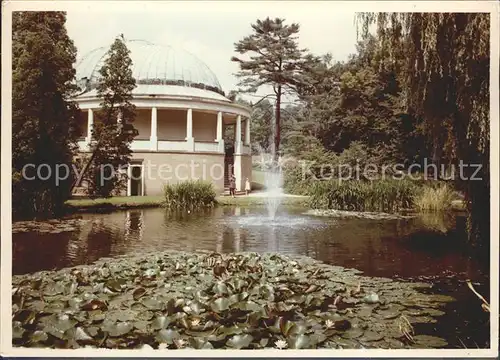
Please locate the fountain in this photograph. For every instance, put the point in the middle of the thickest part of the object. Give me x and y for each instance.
(273, 179)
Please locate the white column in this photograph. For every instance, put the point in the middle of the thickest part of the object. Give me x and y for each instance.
(247, 131)
(238, 172)
(154, 130)
(129, 181)
(142, 180)
(189, 130)
(220, 138)
(219, 126)
(90, 125)
(238, 135)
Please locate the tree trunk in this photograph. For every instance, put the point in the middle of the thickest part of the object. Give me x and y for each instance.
(277, 128)
(84, 171)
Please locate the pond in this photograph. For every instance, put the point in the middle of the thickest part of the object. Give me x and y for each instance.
(424, 248)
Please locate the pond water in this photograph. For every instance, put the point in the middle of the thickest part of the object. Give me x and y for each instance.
(426, 248)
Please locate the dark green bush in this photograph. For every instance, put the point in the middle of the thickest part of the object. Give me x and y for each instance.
(190, 195)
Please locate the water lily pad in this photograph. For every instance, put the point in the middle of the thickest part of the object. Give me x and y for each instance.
(353, 333)
(116, 285)
(52, 289)
(25, 317)
(220, 288)
(246, 306)
(145, 315)
(92, 330)
(300, 341)
(96, 316)
(167, 336)
(196, 307)
(372, 336)
(81, 335)
(197, 343)
(118, 329)
(220, 305)
(94, 305)
(240, 341)
(141, 325)
(428, 341)
(138, 293)
(152, 303)
(17, 330)
(160, 322)
(39, 336)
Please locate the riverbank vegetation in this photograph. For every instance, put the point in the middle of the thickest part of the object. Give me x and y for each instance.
(438, 198)
(397, 100)
(379, 196)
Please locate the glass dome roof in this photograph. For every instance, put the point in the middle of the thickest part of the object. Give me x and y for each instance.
(152, 64)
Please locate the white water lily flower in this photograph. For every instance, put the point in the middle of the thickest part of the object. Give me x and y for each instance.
(281, 344)
(195, 322)
(329, 323)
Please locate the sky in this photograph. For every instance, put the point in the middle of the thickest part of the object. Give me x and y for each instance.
(209, 30)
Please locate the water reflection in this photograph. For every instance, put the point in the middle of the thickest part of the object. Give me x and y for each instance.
(409, 247)
(426, 246)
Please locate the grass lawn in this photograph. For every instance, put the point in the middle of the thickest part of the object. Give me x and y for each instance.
(125, 202)
(258, 200)
(118, 201)
(258, 182)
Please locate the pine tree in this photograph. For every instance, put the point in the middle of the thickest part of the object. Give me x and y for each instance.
(44, 127)
(275, 59)
(113, 130)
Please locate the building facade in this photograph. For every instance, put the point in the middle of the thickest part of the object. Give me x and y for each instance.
(181, 117)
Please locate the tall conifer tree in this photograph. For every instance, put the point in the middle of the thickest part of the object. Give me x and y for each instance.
(113, 130)
(275, 60)
(44, 130)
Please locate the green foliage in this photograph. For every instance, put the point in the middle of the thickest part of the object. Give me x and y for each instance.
(262, 118)
(44, 127)
(319, 164)
(189, 195)
(435, 198)
(445, 74)
(352, 195)
(113, 130)
(275, 60)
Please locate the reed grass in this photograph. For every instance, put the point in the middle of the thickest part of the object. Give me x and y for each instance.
(379, 196)
(438, 198)
(189, 195)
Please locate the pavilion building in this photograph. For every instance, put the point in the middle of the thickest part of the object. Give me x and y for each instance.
(181, 117)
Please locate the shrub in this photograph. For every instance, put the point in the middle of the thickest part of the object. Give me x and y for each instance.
(190, 195)
(437, 198)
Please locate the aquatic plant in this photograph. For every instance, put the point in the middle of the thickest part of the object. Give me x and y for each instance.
(352, 195)
(438, 198)
(179, 300)
(189, 195)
